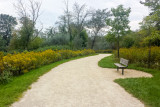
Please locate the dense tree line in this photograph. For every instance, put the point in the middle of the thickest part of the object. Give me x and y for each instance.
(79, 28)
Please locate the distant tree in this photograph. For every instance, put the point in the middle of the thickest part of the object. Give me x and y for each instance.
(69, 17)
(26, 32)
(72, 23)
(111, 38)
(148, 27)
(16, 43)
(97, 22)
(154, 6)
(80, 14)
(65, 21)
(119, 22)
(7, 23)
(29, 14)
(50, 32)
(127, 42)
(62, 24)
(2, 44)
(84, 37)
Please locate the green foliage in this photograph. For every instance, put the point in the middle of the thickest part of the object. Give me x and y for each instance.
(119, 23)
(100, 43)
(120, 20)
(56, 47)
(97, 23)
(35, 44)
(26, 32)
(154, 39)
(15, 42)
(6, 25)
(104, 51)
(5, 76)
(84, 37)
(111, 39)
(77, 42)
(26, 38)
(57, 39)
(2, 44)
(127, 41)
(154, 16)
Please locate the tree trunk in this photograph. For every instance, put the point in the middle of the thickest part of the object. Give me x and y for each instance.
(149, 55)
(93, 42)
(118, 45)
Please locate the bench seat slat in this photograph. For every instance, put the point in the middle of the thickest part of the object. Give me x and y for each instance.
(119, 65)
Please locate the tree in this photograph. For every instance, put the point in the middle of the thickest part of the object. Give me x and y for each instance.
(68, 19)
(97, 22)
(80, 15)
(29, 14)
(50, 32)
(148, 26)
(2, 44)
(154, 6)
(119, 23)
(6, 25)
(72, 22)
(26, 32)
(62, 24)
(84, 37)
(110, 38)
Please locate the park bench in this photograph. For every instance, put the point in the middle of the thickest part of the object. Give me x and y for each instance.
(122, 65)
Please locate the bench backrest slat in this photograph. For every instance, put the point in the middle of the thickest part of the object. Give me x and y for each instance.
(124, 61)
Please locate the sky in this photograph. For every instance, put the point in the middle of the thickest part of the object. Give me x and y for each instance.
(52, 9)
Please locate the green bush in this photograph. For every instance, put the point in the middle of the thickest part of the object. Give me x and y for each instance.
(5, 76)
(104, 51)
(56, 47)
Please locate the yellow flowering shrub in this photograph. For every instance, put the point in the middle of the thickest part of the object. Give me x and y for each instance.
(140, 55)
(23, 62)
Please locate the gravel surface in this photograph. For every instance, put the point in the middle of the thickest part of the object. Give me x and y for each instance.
(81, 83)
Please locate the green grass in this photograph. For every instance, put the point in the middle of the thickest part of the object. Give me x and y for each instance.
(146, 90)
(107, 62)
(13, 90)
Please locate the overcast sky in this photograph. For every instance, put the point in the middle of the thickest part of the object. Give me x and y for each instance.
(52, 9)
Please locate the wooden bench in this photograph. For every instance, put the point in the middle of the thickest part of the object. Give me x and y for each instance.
(122, 65)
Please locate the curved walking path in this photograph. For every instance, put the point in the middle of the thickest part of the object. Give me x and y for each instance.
(80, 83)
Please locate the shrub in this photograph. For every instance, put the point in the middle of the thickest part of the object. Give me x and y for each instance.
(56, 47)
(104, 51)
(19, 63)
(140, 55)
(5, 76)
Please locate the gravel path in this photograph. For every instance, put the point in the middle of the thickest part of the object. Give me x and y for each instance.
(81, 83)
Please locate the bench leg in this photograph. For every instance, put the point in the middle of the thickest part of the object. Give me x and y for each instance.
(117, 69)
(122, 71)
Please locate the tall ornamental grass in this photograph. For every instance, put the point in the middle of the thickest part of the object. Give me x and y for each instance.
(140, 56)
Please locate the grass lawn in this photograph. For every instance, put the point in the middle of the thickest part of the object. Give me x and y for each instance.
(13, 90)
(146, 90)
